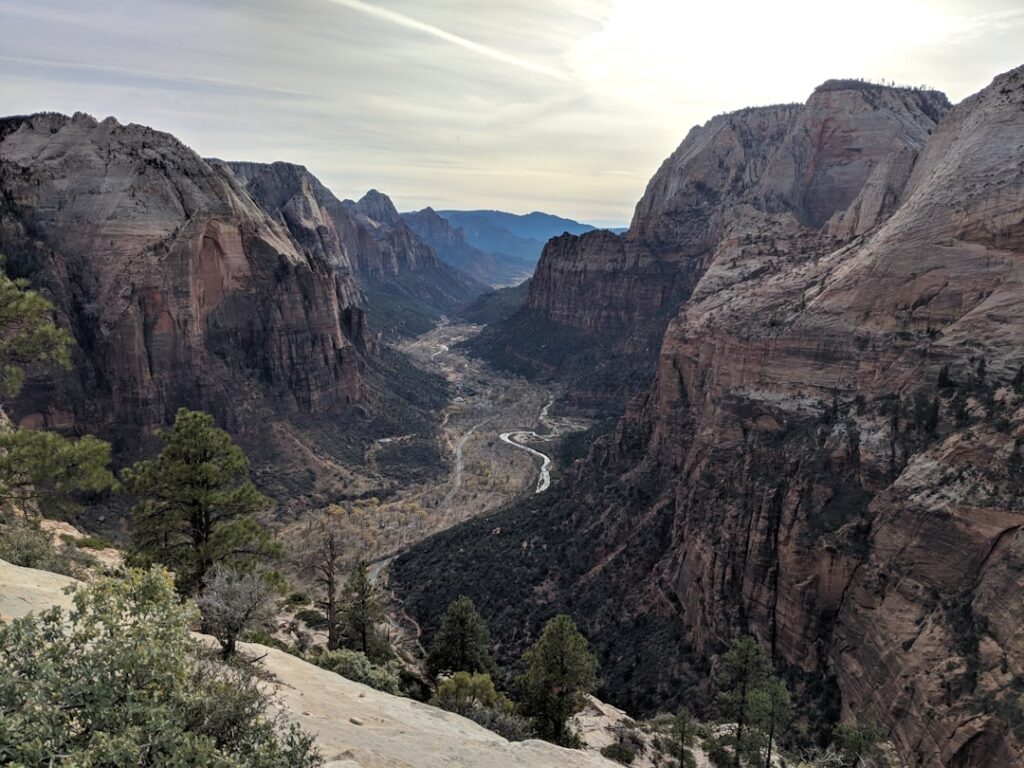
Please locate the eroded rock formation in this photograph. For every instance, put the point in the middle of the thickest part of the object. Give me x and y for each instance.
(780, 171)
(830, 454)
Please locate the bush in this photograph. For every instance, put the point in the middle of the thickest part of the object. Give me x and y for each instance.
(718, 754)
(463, 692)
(508, 725)
(262, 637)
(93, 542)
(312, 618)
(233, 603)
(619, 752)
(357, 667)
(118, 680)
(24, 543)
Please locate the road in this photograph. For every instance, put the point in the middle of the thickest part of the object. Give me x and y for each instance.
(457, 480)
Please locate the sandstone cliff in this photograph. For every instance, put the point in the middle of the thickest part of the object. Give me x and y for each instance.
(774, 172)
(181, 290)
(830, 454)
(406, 288)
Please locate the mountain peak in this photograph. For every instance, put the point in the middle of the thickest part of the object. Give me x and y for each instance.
(378, 206)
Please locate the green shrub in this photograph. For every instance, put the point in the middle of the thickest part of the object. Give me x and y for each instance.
(507, 724)
(718, 754)
(93, 542)
(462, 692)
(24, 543)
(356, 666)
(619, 752)
(312, 618)
(262, 637)
(118, 680)
(297, 598)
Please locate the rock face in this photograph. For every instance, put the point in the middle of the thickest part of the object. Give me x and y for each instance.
(830, 454)
(775, 172)
(178, 287)
(181, 289)
(398, 270)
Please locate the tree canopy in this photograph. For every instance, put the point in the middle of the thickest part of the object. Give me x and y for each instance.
(560, 671)
(463, 643)
(362, 612)
(196, 503)
(28, 334)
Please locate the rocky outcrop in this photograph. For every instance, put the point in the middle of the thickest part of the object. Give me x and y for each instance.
(178, 287)
(830, 454)
(405, 288)
(780, 171)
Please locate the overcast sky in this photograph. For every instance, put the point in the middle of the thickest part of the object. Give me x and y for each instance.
(566, 106)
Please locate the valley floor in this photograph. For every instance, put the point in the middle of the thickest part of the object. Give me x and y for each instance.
(497, 432)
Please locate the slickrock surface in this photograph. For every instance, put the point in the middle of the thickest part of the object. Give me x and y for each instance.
(354, 724)
(830, 454)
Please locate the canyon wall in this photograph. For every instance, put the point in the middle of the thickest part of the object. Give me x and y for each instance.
(180, 289)
(406, 288)
(770, 172)
(830, 454)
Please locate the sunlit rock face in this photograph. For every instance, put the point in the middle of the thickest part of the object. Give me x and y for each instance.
(782, 172)
(830, 454)
(178, 287)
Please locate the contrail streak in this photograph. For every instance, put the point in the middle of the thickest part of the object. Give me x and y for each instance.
(429, 29)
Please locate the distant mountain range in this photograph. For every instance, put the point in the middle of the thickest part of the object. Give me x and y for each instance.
(496, 247)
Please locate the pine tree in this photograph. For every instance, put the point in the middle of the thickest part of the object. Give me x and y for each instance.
(362, 611)
(741, 675)
(683, 737)
(560, 671)
(463, 643)
(197, 503)
(945, 381)
(44, 467)
(39, 468)
(773, 710)
(27, 333)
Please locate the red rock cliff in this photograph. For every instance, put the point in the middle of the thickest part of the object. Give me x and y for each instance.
(179, 288)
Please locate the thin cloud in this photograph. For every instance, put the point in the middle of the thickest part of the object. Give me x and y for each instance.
(75, 67)
(470, 45)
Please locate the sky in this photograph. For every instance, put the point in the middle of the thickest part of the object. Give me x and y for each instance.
(565, 106)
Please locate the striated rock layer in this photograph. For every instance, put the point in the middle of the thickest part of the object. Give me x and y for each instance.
(773, 172)
(830, 455)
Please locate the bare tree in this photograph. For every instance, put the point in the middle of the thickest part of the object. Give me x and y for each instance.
(234, 602)
(325, 558)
